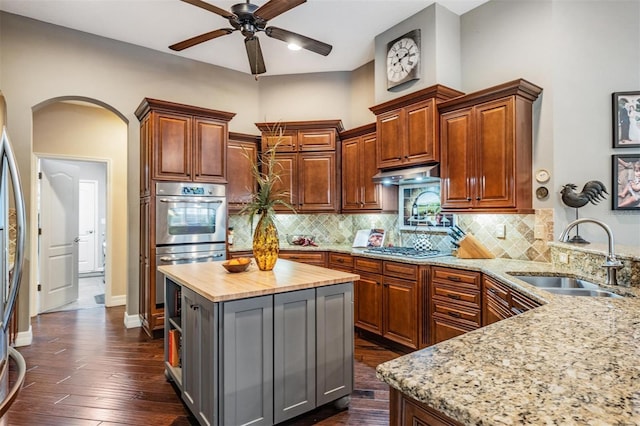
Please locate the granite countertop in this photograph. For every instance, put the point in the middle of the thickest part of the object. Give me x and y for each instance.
(212, 281)
(574, 360)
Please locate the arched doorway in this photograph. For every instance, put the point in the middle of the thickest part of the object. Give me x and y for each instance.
(86, 130)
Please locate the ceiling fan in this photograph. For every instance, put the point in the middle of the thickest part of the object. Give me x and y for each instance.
(250, 19)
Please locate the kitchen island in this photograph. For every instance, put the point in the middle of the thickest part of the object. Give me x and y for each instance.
(258, 347)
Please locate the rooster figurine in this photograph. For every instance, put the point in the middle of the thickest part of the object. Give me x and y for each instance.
(592, 192)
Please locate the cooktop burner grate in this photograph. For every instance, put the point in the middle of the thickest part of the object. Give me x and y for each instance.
(405, 252)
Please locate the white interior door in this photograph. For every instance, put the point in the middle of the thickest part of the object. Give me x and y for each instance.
(88, 226)
(59, 240)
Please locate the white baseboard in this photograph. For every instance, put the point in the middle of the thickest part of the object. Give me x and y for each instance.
(132, 321)
(116, 301)
(24, 338)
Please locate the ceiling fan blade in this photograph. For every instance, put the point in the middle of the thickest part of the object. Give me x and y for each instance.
(211, 8)
(200, 39)
(302, 41)
(254, 52)
(273, 8)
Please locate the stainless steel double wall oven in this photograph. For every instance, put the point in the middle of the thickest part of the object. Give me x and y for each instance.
(191, 220)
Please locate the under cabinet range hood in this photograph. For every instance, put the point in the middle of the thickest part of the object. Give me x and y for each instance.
(407, 176)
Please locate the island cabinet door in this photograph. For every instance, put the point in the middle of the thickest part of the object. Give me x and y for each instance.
(247, 362)
(334, 328)
(199, 356)
(294, 358)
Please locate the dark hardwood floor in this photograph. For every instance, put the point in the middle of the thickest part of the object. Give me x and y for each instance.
(85, 368)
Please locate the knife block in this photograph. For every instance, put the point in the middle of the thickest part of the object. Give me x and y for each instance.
(471, 248)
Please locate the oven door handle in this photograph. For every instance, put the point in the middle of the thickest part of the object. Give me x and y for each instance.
(174, 259)
(189, 200)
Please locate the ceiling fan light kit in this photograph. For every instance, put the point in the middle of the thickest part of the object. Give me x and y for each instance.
(251, 19)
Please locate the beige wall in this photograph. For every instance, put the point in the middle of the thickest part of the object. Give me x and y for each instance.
(84, 132)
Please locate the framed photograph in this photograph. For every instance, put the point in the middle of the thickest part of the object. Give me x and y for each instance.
(626, 182)
(626, 119)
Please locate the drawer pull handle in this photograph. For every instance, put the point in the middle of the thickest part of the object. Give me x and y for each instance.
(194, 307)
(454, 296)
(457, 279)
(517, 311)
(454, 314)
(492, 290)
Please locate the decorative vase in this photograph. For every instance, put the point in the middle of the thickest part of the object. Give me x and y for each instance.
(265, 243)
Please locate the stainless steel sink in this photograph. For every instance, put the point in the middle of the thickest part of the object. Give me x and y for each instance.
(581, 292)
(555, 282)
(566, 285)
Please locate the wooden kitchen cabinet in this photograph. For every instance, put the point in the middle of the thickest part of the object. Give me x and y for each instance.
(486, 149)
(340, 261)
(309, 164)
(407, 128)
(501, 301)
(387, 303)
(455, 302)
(187, 143)
(359, 165)
(406, 411)
(242, 153)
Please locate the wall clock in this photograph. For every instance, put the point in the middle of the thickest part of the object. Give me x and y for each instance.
(403, 59)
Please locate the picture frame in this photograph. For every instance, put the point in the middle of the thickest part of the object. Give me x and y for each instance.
(625, 172)
(626, 119)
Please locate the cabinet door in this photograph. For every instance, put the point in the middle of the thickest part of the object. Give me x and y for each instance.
(199, 356)
(209, 150)
(444, 328)
(317, 140)
(368, 303)
(400, 311)
(351, 199)
(247, 361)
(391, 131)
(495, 154)
(371, 193)
(240, 157)
(317, 182)
(287, 140)
(334, 327)
(287, 168)
(294, 340)
(144, 305)
(171, 147)
(457, 159)
(422, 145)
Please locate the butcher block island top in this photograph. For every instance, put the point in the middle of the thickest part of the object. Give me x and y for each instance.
(212, 281)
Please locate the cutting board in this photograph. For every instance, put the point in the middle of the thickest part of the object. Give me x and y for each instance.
(471, 248)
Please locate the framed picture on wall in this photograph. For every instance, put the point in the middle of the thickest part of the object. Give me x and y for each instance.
(626, 119)
(626, 182)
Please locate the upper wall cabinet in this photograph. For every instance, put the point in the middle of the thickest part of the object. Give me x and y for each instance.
(182, 142)
(359, 192)
(242, 152)
(308, 156)
(407, 128)
(486, 149)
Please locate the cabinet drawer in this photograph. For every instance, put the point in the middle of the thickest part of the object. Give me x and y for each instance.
(317, 140)
(368, 265)
(497, 292)
(457, 295)
(456, 276)
(400, 270)
(456, 312)
(521, 303)
(310, 258)
(340, 261)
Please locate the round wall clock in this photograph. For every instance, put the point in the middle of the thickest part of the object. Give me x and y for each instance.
(403, 59)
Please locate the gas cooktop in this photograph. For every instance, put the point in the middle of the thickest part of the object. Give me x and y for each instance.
(406, 252)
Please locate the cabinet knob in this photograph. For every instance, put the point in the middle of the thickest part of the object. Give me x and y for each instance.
(194, 307)
(468, 198)
(477, 198)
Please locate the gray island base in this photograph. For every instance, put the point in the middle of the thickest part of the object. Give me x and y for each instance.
(258, 347)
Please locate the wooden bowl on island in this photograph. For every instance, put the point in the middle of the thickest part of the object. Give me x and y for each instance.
(237, 265)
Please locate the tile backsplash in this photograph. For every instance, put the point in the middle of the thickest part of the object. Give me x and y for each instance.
(525, 236)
